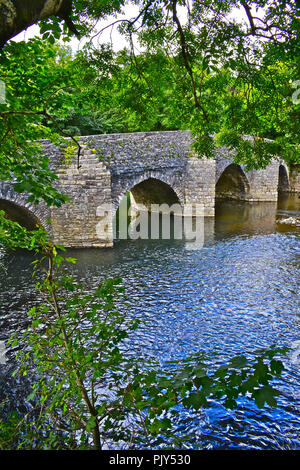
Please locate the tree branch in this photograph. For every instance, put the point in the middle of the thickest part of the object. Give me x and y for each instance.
(18, 15)
(250, 17)
(185, 56)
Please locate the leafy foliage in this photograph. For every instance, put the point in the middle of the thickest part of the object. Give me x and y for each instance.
(29, 71)
(218, 69)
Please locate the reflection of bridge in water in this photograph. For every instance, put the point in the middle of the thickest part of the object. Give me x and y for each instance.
(155, 168)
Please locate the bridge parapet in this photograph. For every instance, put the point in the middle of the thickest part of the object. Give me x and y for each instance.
(141, 150)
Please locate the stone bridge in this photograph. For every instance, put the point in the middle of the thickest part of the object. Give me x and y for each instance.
(155, 167)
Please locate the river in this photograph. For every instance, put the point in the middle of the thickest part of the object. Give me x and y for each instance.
(237, 291)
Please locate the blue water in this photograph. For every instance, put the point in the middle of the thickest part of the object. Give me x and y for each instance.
(237, 292)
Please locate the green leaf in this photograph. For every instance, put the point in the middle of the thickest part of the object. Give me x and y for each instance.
(276, 367)
(238, 362)
(264, 395)
(195, 400)
(31, 395)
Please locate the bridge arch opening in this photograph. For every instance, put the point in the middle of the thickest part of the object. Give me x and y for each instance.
(19, 214)
(151, 192)
(232, 184)
(140, 207)
(283, 179)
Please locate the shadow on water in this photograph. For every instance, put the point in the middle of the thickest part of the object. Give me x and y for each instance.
(235, 218)
(249, 218)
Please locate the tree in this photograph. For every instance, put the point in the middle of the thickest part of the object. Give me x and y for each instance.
(152, 93)
(212, 42)
(17, 15)
(29, 106)
(208, 41)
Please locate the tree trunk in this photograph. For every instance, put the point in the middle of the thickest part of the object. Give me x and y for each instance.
(17, 15)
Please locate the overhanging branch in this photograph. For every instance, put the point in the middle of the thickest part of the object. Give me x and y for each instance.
(18, 15)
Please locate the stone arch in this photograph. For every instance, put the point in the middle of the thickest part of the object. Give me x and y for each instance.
(283, 178)
(153, 191)
(20, 210)
(19, 214)
(148, 195)
(159, 189)
(232, 183)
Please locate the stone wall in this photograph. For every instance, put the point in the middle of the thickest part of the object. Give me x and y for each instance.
(264, 183)
(75, 223)
(260, 185)
(199, 183)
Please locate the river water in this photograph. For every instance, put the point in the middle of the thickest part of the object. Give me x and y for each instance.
(237, 291)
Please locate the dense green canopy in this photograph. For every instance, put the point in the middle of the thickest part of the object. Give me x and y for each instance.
(222, 69)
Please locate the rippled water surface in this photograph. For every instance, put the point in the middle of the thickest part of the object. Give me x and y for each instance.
(237, 292)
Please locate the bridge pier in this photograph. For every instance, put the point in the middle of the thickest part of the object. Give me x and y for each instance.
(200, 184)
(75, 223)
(264, 183)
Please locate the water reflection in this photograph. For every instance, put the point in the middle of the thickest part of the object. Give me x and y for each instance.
(249, 218)
(289, 202)
(237, 292)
